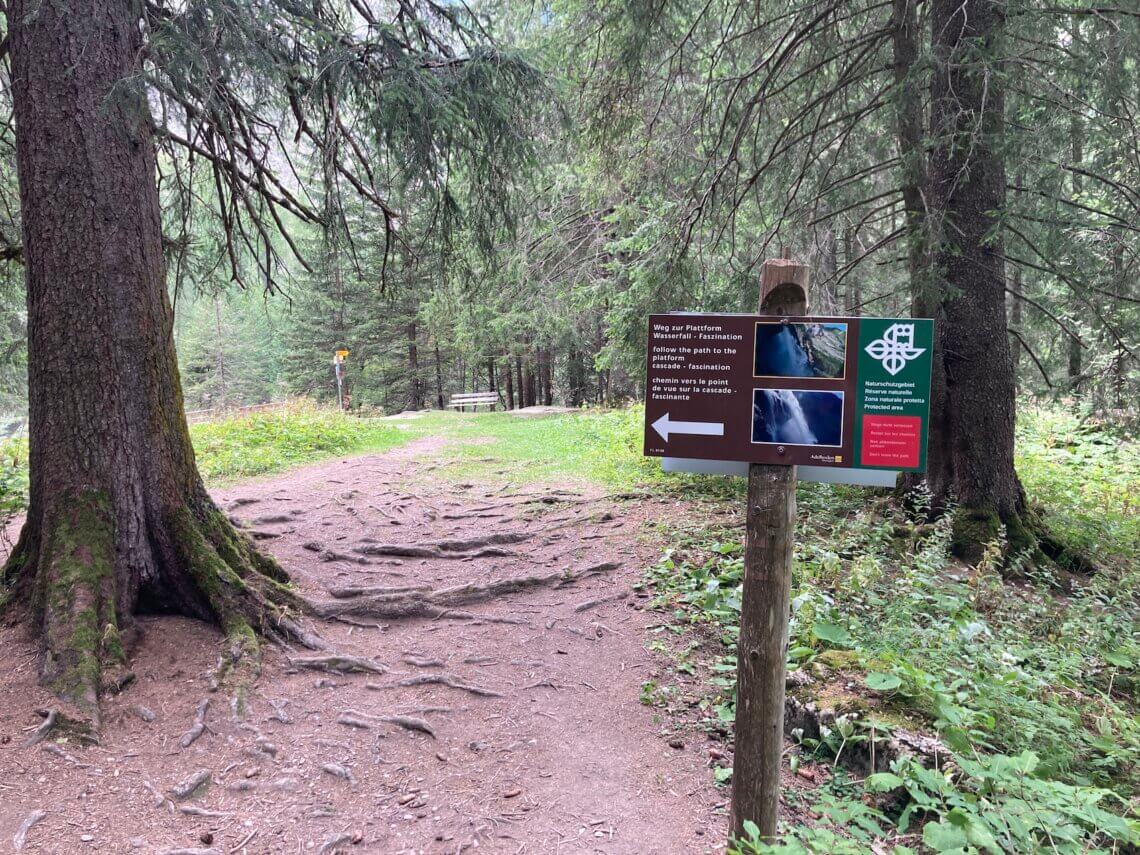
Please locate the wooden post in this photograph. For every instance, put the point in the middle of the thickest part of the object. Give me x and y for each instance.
(769, 538)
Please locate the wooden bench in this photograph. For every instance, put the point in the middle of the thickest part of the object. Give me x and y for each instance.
(473, 399)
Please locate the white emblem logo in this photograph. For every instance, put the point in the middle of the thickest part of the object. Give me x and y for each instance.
(896, 348)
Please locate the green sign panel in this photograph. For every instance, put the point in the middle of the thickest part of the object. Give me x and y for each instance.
(839, 392)
(892, 393)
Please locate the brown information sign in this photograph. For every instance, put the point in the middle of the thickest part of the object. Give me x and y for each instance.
(816, 391)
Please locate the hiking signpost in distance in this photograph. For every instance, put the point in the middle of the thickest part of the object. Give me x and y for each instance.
(844, 399)
(338, 368)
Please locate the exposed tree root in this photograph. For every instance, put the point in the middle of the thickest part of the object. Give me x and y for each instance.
(339, 664)
(56, 750)
(41, 732)
(338, 771)
(1022, 534)
(407, 722)
(192, 810)
(437, 680)
(199, 726)
(81, 579)
(347, 593)
(21, 836)
(612, 598)
(422, 661)
(412, 551)
(279, 712)
(191, 785)
(479, 547)
(329, 555)
(58, 723)
(438, 603)
(336, 843)
(349, 720)
(144, 713)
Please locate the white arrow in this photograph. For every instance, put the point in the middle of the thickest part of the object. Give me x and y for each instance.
(665, 427)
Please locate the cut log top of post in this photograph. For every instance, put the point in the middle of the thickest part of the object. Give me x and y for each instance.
(783, 287)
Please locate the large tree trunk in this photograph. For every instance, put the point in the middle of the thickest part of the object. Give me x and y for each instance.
(415, 382)
(438, 378)
(118, 515)
(925, 286)
(968, 191)
(509, 375)
(855, 281)
(1077, 145)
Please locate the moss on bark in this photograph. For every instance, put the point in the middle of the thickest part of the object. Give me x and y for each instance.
(972, 530)
(71, 581)
(248, 593)
(1023, 535)
(73, 598)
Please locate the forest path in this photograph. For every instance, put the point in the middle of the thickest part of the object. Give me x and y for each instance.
(538, 740)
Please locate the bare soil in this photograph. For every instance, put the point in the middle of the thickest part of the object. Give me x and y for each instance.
(518, 727)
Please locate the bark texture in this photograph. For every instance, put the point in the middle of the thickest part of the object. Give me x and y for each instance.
(118, 515)
(921, 238)
(968, 190)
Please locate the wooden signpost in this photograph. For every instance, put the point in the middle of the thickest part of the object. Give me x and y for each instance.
(338, 368)
(770, 392)
(762, 648)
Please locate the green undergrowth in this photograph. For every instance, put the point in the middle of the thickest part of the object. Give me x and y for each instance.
(1035, 695)
(1086, 479)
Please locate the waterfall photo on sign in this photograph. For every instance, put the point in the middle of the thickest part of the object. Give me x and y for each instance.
(800, 350)
(797, 417)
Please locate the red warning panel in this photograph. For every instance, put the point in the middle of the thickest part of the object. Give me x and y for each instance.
(891, 441)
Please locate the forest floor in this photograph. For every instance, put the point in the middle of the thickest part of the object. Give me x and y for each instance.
(517, 726)
(595, 715)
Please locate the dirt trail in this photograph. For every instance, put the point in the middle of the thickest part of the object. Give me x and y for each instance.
(506, 725)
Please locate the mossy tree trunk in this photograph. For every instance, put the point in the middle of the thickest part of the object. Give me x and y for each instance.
(968, 190)
(118, 516)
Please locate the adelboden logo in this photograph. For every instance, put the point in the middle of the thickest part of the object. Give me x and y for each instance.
(896, 348)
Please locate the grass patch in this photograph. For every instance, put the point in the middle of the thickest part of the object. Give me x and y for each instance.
(274, 440)
(260, 443)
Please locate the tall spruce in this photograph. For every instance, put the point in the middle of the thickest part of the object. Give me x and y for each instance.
(118, 515)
